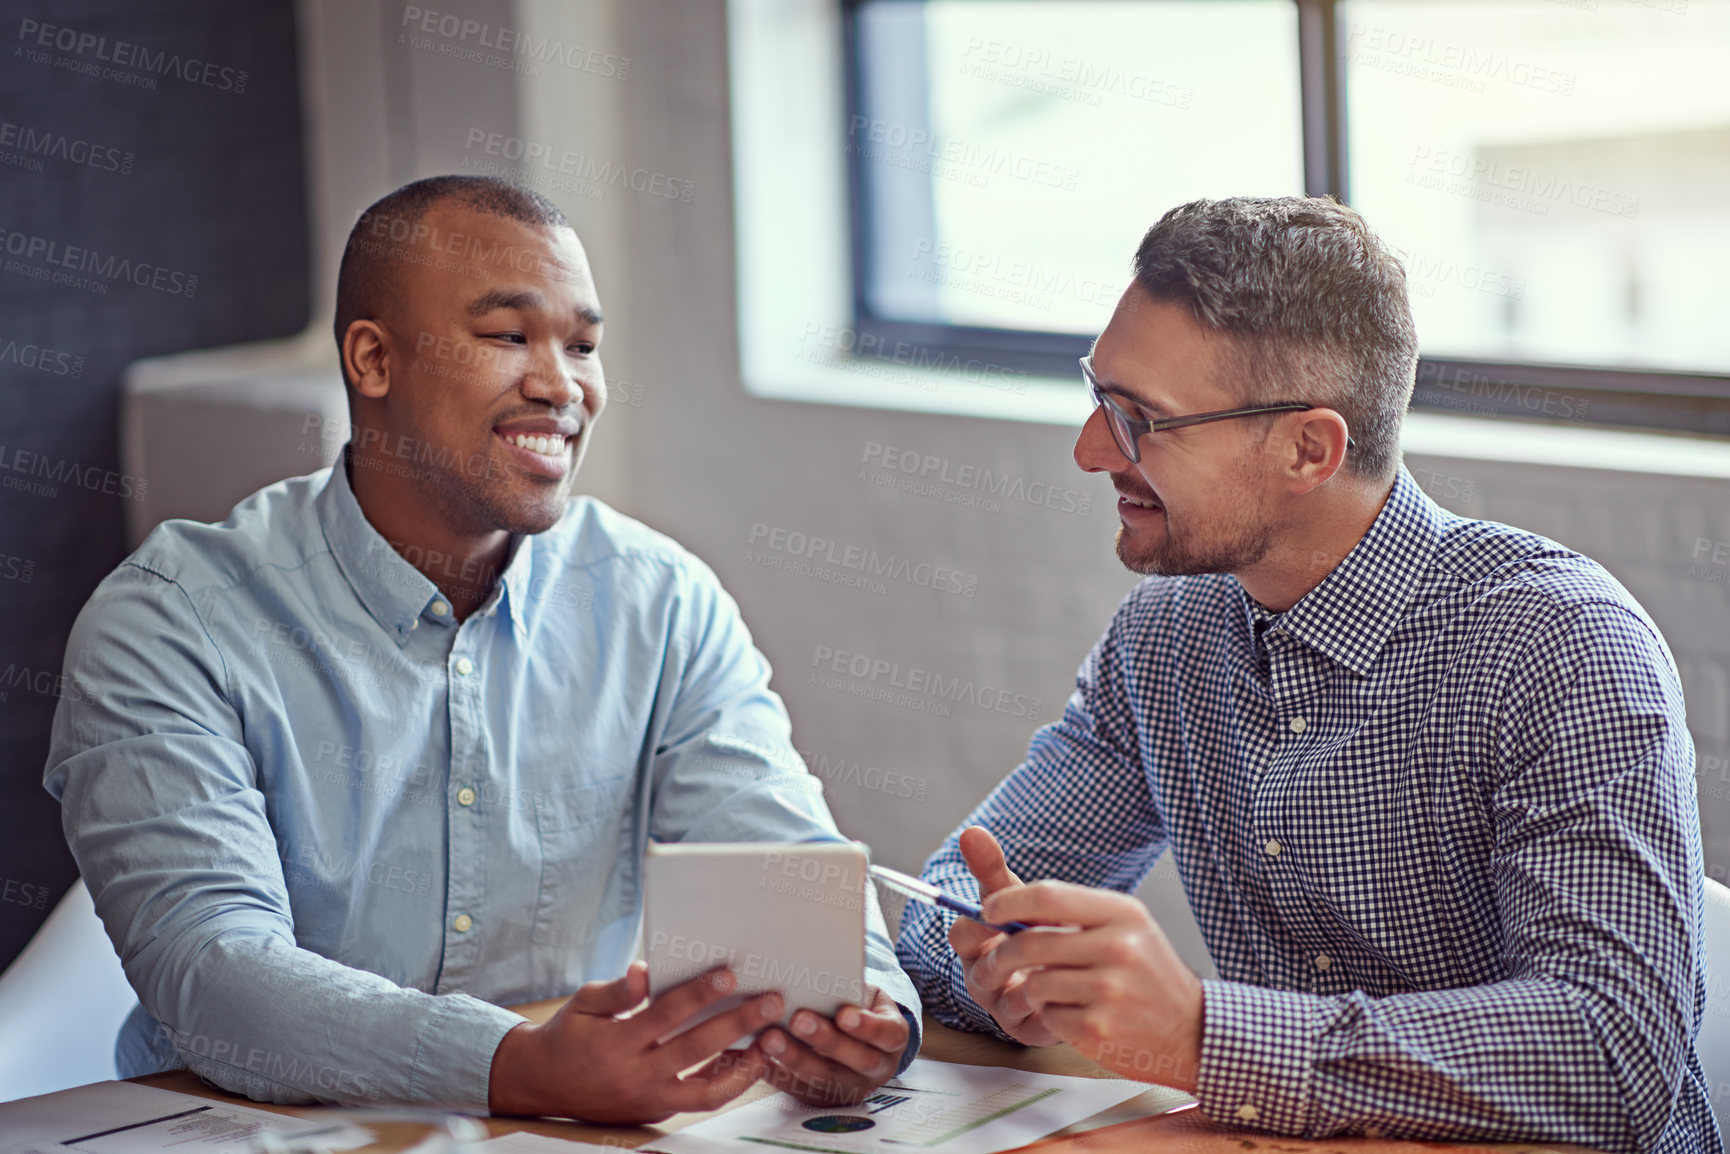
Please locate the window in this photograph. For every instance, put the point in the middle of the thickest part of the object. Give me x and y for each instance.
(1554, 173)
(1009, 155)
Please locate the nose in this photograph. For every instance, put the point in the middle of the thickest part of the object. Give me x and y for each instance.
(554, 380)
(1095, 449)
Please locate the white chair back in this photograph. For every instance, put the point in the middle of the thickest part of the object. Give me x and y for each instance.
(61, 1004)
(1714, 1041)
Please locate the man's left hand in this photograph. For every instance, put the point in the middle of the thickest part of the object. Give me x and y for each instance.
(840, 1062)
(1109, 984)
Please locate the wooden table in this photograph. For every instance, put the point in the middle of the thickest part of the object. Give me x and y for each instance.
(1123, 1128)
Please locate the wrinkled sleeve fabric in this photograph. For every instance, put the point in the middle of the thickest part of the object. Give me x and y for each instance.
(726, 770)
(1079, 809)
(162, 809)
(1596, 865)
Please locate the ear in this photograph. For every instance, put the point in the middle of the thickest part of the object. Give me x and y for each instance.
(365, 360)
(1318, 448)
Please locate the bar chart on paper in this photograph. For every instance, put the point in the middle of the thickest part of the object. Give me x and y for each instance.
(938, 1106)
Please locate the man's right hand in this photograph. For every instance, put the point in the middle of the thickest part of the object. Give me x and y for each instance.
(1006, 1002)
(597, 1061)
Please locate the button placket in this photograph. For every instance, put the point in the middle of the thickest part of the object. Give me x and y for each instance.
(465, 825)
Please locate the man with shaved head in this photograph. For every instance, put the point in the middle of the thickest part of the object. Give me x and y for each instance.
(381, 753)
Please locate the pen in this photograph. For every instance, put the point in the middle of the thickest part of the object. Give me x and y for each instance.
(921, 891)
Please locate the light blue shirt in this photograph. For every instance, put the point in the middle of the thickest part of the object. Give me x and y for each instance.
(331, 831)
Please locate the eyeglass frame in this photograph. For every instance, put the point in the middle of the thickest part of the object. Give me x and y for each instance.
(1121, 423)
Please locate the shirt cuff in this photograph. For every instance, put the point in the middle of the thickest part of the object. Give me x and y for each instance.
(453, 1059)
(1257, 1056)
(894, 982)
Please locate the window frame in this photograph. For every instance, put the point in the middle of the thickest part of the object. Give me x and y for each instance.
(1605, 396)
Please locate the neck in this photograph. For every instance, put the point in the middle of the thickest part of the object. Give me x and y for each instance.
(464, 566)
(1307, 551)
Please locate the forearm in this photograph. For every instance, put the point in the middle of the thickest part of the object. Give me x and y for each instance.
(257, 1016)
(1519, 1060)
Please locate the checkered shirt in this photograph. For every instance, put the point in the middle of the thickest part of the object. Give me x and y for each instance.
(1438, 825)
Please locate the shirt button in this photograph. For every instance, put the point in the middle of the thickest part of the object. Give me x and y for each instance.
(1272, 847)
(464, 667)
(465, 796)
(1247, 1113)
(1298, 725)
(1323, 961)
(462, 923)
(439, 608)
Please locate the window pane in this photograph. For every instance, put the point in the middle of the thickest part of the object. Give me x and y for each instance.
(1555, 172)
(1010, 166)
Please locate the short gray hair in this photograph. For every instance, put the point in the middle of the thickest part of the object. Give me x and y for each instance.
(1315, 305)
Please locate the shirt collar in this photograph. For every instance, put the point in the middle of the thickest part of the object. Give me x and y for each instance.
(1349, 616)
(397, 594)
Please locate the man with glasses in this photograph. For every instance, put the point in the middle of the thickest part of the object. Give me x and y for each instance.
(1426, 779)
(380, 755)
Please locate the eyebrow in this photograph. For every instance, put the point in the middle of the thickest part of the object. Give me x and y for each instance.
(1154, 408)
(523, 300)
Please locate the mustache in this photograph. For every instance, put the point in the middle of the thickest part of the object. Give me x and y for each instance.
(1138, 492)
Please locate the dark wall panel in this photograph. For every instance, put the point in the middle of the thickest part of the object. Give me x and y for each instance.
(152, 199)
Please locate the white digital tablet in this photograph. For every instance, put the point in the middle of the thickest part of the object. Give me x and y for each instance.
(787, 916)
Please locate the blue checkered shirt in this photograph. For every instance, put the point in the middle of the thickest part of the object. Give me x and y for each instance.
(1437, 823)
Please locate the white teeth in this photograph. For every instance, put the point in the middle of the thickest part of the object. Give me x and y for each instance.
(547, 446)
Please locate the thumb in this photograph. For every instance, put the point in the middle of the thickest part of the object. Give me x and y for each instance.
(615, 997)
(985, 858)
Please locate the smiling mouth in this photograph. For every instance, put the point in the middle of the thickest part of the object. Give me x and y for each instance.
(1139, 502)
(547, 445)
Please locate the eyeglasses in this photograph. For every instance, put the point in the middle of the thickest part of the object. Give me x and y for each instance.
(1127, 431)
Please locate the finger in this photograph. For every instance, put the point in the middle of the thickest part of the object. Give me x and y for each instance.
(605, 998)
(824, 1037)
(883, 1026)
(986, 982)
(1067, 1022)
(1043, 946)
(1045, 989)
(985, 858)
(669, 1011)
(999, 1002)
(970, 939)
(721, 1079)
(810, 1077)
(1055, 903)
(1012, 998)
(700, 1043)
(637, 978)
(1016, 1016)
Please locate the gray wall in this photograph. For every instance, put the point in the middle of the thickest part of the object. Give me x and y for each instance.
(200, 176)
